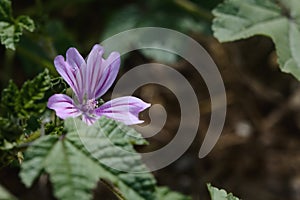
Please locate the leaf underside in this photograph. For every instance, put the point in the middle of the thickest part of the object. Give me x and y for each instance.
(277, 19)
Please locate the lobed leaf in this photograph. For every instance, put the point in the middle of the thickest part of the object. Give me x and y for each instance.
(74, 170)
(21, 112)
(31, 100)
(279, 20)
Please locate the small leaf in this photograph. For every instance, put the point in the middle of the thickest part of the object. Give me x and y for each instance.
(21, 112)
(31, 100)
(74, 171)
(11, 29)
(5, 10)
(164, 193)
(279, 20)
(9, 98)
(26, 23)
(220, 194)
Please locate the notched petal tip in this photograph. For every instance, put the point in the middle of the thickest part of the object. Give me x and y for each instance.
(58, 59)
(74, 58)
(98, 49)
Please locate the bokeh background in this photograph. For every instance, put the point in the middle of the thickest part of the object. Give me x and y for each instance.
(258, 154)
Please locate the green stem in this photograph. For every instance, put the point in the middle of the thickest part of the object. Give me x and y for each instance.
(36, 59)
(195, 9)
(113, 189)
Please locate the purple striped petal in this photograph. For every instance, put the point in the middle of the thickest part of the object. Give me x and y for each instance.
(100, 73)
(111, 69)
(74, 58)
(88, 119)
(94, 70)
(72, 75)
(123, 109)
(63, 105)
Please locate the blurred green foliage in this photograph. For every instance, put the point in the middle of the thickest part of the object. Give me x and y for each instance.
(12, 28)
(279, 20)
(44, 29)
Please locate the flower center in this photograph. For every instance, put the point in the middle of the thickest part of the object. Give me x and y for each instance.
(89, 106)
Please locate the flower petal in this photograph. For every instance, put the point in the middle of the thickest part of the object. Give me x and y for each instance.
(94, 70)
(76, 61)
(88, 119)
(100, 73)
(74, 77)
(111, 69)
(123, 109)
(63, 105)
(74, 58)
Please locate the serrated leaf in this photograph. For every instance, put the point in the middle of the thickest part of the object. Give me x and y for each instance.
(5, 195)
(74, 171)
(111, 144)
(219, 194)
(35, 158)
(25, 22)
(21, 112)
(11, 29)
(32, 93)
(279, 20)
(164, 193)
(26, 104)
(9, 97)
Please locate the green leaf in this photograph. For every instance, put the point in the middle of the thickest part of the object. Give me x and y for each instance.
(74, 171)
(9, 125)
(279, 20)
(21, 112)
(219, 194)
(26, 23)
(164, 193)
(10, 28)
(31, 100)
(5, 10)
(5, 195)
(19, 108)
(9, 129)
(9, 98)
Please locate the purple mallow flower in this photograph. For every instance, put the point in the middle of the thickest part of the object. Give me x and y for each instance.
(89, 80)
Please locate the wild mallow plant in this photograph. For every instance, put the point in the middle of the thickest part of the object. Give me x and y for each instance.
(55, 146)
(41, 141)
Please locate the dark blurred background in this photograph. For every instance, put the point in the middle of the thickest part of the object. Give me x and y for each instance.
(257, 155)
